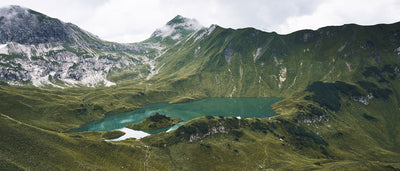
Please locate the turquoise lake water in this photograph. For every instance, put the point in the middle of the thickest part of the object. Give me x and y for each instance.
(243, 107)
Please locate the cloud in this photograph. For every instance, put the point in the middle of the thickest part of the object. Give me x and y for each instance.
(341, 12)
(134, 20)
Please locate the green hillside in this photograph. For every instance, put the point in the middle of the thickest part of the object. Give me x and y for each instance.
(341, 90)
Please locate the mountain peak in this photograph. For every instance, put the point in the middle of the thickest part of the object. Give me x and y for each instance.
(13, 8)
(13, 11)
(26, 26)
(177, 20)
(178, 27)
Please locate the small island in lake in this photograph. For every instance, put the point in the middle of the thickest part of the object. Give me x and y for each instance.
(156, 121)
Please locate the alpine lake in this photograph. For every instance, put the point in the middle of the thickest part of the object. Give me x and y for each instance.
(242, 107)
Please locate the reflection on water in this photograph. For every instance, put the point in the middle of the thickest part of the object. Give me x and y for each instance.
(243, 107)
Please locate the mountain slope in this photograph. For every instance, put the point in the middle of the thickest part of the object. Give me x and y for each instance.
(44, 51)
(341, 87)
(248, 62)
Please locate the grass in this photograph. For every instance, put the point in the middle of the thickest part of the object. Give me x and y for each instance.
(156, 121)
(319, 127)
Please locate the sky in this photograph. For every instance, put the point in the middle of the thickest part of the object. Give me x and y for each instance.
(128, 21)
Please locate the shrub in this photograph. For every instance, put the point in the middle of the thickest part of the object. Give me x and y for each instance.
(369, 117)
(158, 117)
(327, 94)
(201, 126)
(375, 90)
(303, 136)
(237, 133)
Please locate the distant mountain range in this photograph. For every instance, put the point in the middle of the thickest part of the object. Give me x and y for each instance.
(340, 87)
(44, 51)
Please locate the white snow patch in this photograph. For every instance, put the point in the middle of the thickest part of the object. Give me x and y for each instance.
(282, 76)
(348, 66)
(3, 49)
(196, 51)
(257, 54)
(108, 83)
(130, 133)
(294, 82)
(398, 51)
(342, 47)
(277, 62)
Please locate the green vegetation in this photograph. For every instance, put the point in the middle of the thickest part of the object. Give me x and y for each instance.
(327, 94)
(322, 123)
(156, 121)
(113, 134)
(375, 90)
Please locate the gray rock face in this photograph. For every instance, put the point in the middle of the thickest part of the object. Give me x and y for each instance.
(363, 99)
(213, 130)
(40, 50)
(26, 26)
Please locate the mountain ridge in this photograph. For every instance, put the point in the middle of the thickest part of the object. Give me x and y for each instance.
(176, 30)
(340, 110)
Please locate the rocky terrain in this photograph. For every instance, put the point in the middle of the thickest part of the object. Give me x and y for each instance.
(340, 87)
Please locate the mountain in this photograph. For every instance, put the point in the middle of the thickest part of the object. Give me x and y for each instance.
(178, 27)
(43, 51)
(340, 87)
(249, 62)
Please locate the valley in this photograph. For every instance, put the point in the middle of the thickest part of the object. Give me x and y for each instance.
(336, 90)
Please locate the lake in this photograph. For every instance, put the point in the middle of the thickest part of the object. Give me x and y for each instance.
(235, 107)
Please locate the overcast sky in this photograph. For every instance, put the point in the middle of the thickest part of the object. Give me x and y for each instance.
(134, 20)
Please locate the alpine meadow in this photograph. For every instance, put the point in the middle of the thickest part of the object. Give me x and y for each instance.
(336, 90)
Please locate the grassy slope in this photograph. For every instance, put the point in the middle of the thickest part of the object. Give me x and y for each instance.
(57, 151)
(156, 121)
(329, 54)
(61, 110)
(354, 141)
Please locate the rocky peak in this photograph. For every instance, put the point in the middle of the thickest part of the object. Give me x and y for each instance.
(25, 26)
(178, 27)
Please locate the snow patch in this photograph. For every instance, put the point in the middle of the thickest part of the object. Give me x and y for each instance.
(130, 133)
(282, 76)
(3, 49)
(342, 47)
(294, 82)
(348, 66)
(228, 54)
(277, 62)
(398, 51)
(196, 51)
(257, 54)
